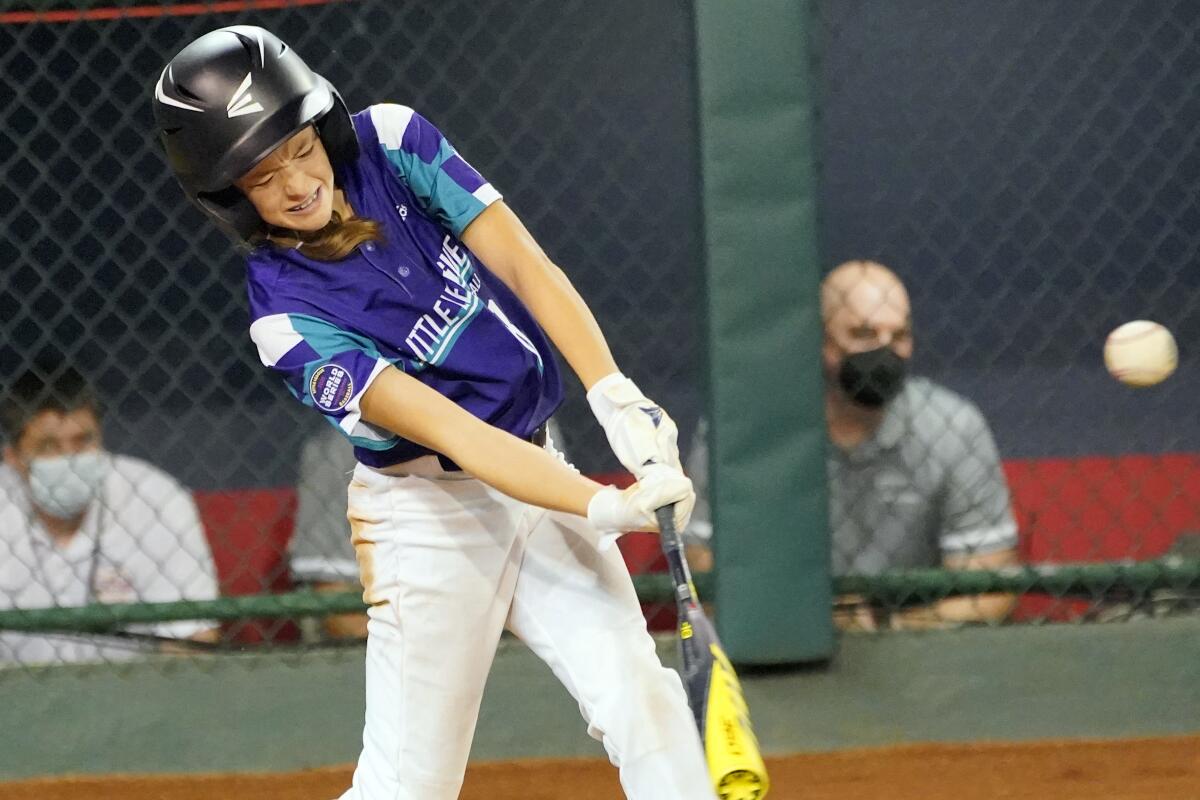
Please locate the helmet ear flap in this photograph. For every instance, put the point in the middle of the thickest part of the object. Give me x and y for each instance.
(336, 130)
(233, 211)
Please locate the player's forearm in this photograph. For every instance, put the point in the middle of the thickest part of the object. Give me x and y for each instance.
(522, 471)
(499, 238)
(398, 403)
(570, 324)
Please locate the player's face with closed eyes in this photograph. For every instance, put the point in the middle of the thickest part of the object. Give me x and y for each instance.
(293, 187)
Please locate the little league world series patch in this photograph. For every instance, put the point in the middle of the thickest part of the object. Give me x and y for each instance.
(331, 387)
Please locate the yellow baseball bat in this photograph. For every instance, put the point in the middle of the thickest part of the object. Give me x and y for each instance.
(714, 693)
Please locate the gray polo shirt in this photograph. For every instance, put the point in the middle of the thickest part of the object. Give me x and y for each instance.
(321, 551)
(927, 484)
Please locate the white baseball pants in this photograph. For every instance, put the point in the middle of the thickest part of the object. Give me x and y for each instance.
(447, 562)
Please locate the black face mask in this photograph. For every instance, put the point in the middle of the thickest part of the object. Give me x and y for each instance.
(874, 377)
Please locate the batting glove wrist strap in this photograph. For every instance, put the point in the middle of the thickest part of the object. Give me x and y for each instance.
(640, 432)
(611, 393)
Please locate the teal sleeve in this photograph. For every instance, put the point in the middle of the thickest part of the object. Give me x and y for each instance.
(447, 187)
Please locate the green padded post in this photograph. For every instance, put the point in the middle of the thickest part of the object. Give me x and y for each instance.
(768, 447)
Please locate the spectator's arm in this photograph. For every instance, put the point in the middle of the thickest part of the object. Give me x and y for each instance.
(954, 611)
(983, 607)
(208, 636)
(351, 625)
(976, 509)
(699, 556)
(853, 614)
(977, 527)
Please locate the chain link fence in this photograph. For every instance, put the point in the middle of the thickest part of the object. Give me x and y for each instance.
(1025, 170)
(109, 271)
(1029, 171)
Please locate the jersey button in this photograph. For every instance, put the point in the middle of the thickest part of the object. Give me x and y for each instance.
(370, 248)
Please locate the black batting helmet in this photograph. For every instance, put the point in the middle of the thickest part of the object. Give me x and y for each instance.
(226, 101)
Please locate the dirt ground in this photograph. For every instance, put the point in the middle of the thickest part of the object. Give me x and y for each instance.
(1132, 769)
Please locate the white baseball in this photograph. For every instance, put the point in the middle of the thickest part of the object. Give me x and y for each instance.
(1140, 353)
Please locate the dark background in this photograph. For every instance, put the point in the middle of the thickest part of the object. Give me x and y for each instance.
(1029, 168)
(584, 121)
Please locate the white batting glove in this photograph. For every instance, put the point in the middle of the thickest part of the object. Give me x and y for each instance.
(639, 431)
(614, 511)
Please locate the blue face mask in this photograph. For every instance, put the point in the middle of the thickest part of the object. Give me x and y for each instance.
(64, 486)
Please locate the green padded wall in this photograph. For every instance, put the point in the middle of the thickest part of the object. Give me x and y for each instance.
(768, 448)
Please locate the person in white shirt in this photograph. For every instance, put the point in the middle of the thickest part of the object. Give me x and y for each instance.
(80, 525)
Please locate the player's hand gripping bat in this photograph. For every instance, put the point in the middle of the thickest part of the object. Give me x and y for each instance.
(734, 762)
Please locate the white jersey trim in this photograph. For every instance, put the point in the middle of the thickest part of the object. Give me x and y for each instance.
(486, 194)
(353, 416)
(275, 337)
(391, 121)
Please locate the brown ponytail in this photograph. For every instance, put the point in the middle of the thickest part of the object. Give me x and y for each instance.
(332, 243)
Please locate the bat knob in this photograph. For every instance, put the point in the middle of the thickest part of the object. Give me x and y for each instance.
(740, 784)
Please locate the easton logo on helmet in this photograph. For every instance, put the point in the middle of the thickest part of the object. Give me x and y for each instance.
(242, 102)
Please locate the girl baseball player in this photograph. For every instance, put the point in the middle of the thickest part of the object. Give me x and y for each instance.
(398, 295)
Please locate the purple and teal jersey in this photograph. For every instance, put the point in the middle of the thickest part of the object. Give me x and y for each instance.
(418, 300)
